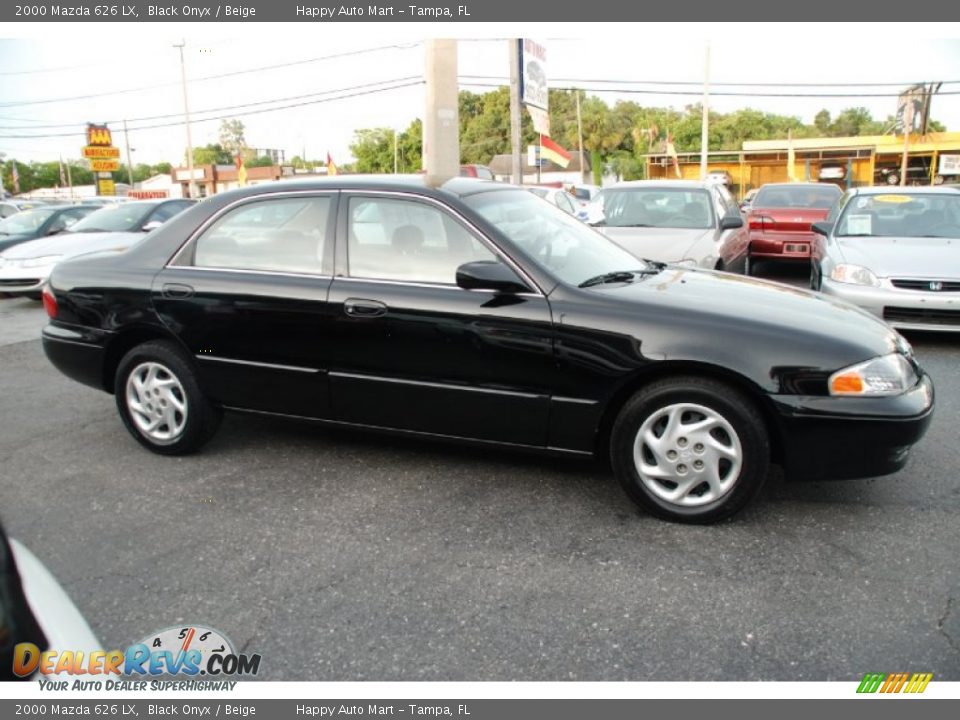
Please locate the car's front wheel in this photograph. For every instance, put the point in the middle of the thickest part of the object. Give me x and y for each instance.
(815, 281)
(690, 449)
(160, 401)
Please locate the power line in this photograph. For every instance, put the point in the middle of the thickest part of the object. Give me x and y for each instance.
(218, 109)
(635, 91)
(234, 73)
(699, 83)
(232, 115)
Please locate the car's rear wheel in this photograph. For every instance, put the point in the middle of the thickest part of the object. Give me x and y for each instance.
(160, 401)
(748, 264)
(690, 449)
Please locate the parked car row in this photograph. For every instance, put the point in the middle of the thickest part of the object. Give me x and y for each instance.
(34, 241)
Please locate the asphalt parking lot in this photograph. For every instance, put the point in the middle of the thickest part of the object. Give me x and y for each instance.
(340, 556)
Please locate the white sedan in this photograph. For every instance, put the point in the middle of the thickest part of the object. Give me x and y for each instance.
(24, 268)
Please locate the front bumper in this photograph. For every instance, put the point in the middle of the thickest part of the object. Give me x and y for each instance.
(832, 438)
(903, 309)
(17, 280)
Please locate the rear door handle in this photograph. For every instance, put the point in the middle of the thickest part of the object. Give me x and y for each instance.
(177, 291)
(364, 308)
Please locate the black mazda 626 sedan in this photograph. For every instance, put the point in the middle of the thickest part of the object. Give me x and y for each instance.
(477, 311)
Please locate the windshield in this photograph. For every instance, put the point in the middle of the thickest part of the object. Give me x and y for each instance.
(796, 196)
(562, 244)
(902, 215)
(25, 222)
(660, 207)
(126, 217)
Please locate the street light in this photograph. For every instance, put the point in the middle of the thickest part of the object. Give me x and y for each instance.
(186, 112)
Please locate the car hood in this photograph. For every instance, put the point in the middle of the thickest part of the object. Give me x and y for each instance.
(761, 328)
(903, 257)
(71, 244)
(661, 244)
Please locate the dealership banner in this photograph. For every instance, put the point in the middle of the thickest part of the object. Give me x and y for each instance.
(338, 709)
(311, 11)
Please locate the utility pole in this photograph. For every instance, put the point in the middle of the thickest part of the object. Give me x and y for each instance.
(186, 114)
(583, 170)
(69, 179)
(441, 126)
(907, 127)
(126, 139)
(705, 120)
(395, 163)
(516, 176)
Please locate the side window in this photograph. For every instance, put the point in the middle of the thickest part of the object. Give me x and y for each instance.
(281, 235)
(565, 203)
(60, 223)
(837, 207)
(165, 212)
(410, 241)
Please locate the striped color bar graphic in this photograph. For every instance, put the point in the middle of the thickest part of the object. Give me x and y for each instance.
(895, 682)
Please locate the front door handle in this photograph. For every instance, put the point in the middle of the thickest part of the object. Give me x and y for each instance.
(177, 291)
(357, 308)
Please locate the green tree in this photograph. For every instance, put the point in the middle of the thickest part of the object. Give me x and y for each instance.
(232, 137)
(213, 154)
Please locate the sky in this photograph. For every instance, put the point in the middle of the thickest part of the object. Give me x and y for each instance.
(54, 62)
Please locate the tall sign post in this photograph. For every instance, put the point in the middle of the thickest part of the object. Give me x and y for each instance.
(533, 88)
(516, 166)
(103, 157)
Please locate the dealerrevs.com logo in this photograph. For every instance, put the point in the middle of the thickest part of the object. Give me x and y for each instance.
(890, 683)
(189, 652)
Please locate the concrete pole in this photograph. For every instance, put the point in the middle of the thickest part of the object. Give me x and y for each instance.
(186, 113)
(126, 139)
(583, 167)
(705, 120)
(516, 176)
(441, 125)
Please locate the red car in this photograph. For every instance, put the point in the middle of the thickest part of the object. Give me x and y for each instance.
(780, 219)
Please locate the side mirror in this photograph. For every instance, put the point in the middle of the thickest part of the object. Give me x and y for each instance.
(731, 222)
(152, 225)
(488, 275)
(822, 228)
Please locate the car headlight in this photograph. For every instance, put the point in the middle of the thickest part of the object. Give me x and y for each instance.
(41, 261)
(854, 275)
(885, 375)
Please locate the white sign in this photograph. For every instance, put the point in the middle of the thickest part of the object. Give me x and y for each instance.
(950, 164)
(541, 120)
(533, 74)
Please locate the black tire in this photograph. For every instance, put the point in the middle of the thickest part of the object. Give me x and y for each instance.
(748, 265)
(687, 395)
(815, 280)
(188, 430)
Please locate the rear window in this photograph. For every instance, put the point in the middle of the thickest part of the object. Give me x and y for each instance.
(797, 196)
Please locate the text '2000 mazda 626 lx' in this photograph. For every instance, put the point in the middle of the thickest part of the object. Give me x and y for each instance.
(475, 311)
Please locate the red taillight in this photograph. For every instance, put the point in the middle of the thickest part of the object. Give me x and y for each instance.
(49, 302)
(757, 221)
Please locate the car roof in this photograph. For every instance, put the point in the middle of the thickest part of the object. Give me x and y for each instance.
(455, 186)
(909, 190)
(683, 184)
(798, 184)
